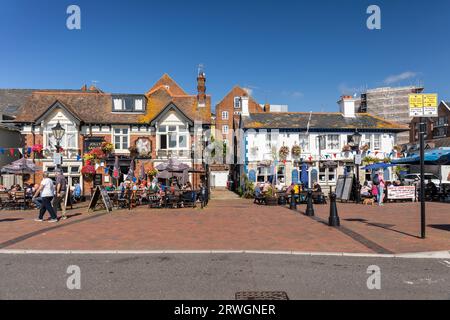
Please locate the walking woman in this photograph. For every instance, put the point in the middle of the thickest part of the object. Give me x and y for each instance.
(47, 191)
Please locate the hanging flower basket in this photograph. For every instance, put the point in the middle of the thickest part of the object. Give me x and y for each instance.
(296, 151)
(283, 153)
(88, 172)
(365, 148)
(97, 153)
(347, 148)
(37, 148)
(107, 148)
(152, 173)
(397, 148)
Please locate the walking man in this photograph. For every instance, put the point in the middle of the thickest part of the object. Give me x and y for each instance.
(60, 197)
(47, 192)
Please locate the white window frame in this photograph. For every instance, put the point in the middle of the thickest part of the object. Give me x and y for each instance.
(225, 129)
(122, 135)
(377, 142)
(335, 145)
(224, 115)
(303, 141)
(180, 131)
(237, 105)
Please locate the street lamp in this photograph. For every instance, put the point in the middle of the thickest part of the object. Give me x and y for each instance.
(58, 133)
(356, 139)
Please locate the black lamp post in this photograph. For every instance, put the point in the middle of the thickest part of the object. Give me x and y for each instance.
(58, 133)
(356, 138)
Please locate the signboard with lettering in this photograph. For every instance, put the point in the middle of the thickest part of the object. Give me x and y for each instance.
(423, 105)
(401, 193)
(92, 143)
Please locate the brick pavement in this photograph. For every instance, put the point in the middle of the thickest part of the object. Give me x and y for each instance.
(230, 225)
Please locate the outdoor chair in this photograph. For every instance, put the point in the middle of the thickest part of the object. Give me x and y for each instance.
(171, 201)
(260, 199)
(154, 201)
(19, 200)
(5, 200)
(188, 199)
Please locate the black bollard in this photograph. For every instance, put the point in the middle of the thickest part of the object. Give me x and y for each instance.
(333, 221)
(309, 205)
(293, 204)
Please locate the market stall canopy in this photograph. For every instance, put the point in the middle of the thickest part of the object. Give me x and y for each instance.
(437, 157)
(21, 166)
(378, 166)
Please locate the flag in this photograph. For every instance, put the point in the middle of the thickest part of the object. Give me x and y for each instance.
(116, 168)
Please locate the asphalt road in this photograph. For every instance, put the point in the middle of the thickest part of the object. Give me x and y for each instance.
(219, 276)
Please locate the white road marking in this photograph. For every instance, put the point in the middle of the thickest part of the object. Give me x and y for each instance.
(424, 255)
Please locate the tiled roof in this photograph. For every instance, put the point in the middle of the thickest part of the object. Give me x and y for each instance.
(12, 99)
(167, 82)
(299, 120)
(96, 107)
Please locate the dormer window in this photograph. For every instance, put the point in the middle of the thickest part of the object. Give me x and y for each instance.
(129, 103)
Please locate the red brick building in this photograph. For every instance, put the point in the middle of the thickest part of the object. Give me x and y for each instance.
(229, 109)
(156, 125)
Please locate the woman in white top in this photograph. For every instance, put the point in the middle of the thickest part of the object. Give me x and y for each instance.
(47, 191)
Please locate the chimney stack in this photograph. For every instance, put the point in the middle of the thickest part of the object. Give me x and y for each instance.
(244, 104)
(201, 88)
(347, 106)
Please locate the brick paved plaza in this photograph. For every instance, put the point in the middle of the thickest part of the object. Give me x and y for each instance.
(234, 224)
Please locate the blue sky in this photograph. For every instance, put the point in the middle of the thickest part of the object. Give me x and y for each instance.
(301, 53)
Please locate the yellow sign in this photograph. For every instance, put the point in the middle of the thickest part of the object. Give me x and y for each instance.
(423, 105)
(415, 100)
(430, 100)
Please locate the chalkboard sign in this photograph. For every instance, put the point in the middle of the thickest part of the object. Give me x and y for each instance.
(100, 192)
(98, 180)
(344, 187)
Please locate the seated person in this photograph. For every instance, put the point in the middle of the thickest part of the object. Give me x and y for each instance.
(317, 187)
(258, 191)
(365, 190)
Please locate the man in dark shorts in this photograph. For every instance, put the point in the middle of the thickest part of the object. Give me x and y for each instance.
(60, 194)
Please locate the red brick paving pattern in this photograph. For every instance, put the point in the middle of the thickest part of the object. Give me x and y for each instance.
(232, 225)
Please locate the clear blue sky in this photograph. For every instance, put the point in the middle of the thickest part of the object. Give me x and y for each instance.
(301, 53)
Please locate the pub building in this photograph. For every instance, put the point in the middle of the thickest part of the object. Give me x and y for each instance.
(148, 129)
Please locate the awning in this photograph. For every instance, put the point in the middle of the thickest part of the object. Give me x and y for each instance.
(436, 157)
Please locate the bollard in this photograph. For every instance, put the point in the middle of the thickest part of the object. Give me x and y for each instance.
(309, 205)
(293, 204)
(333, 221)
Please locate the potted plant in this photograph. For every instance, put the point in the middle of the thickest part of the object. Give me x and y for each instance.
(271, 198)
(283, 153)
(296, 151)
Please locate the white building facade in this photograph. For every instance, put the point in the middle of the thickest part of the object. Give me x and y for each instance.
(323, 143)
